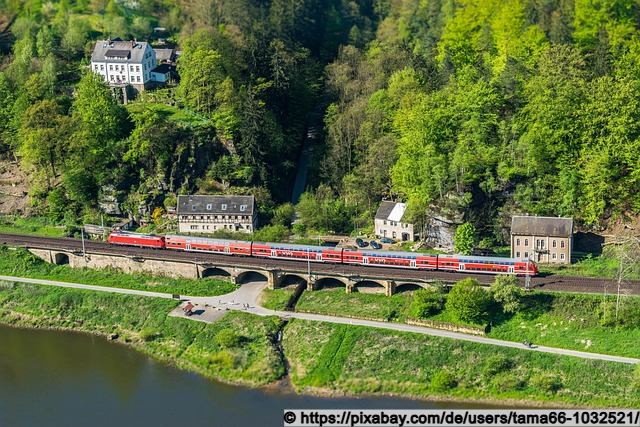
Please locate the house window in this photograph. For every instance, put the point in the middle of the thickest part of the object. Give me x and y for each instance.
(562, 243)
(96, 67)
(193, 207)
(526, 243)
(384, 222)
(554, 244)
(110, 67)
(542, 244)
(111, 77)
(526, 254)
(248, 227)
(101, 67)
(554, 255)
(394, 234)
(130, 67)
(242, 208)
(138, 79)
(224, 208)
(517, 242)
(517, 254)
(194, 227)
(562, 257)
(209, 206)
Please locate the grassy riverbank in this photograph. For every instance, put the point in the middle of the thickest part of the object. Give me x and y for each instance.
(570, 321)
(143, 323)
(22, 263)
(358, 360)
(324, 357)
(576, 322)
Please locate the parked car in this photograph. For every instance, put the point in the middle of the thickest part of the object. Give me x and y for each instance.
(361, 243)
(386, 240)
(375, 245)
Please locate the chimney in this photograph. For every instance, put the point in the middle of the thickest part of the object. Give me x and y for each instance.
(131, 45)
(109, 41)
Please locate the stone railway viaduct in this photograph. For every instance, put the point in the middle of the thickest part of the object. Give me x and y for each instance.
(275, 277)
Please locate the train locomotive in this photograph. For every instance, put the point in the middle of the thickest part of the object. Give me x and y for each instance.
(308, 253)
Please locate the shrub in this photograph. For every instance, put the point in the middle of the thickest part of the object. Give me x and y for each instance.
(546, 382)
(496, 364)
(443, 380)
(468, 301)
(505, 291)
(507, 381)
(426, 303)
(228, 338)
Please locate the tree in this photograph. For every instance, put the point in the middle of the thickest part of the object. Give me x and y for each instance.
(98, 123)
(505, 290)
(468, 301)
(202, 70)
(427, 302)
(465, 238)
(44, 137)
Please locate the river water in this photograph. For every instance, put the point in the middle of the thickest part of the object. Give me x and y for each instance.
(56, 378)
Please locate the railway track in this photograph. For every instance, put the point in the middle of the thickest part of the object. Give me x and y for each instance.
(545, 283)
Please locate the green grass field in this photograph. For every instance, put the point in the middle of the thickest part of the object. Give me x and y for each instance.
(574, 322)
(22, 263)
(362, 360)
(276, 299)
(34, 226)
(335, 301)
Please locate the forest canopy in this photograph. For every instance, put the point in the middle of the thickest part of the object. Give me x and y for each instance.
(478, 108)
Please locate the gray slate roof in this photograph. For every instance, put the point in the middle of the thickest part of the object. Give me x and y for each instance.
(385, 209)
(164, 54)
(214, 205)
(119, 49)
(542, 226)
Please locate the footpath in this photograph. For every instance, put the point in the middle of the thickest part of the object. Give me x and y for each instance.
(210, 309)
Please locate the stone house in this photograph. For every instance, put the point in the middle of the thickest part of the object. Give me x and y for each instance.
(388, 222)
(542, 239)
(206, 214)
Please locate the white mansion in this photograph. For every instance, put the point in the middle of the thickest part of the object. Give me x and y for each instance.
(124, 62)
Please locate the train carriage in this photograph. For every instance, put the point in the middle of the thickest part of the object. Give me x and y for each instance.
(128, 238)
(208, 244)
(390, 259)
(488, 265)
(297, 252)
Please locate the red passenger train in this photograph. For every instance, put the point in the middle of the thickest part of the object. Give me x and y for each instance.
(408, 260)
